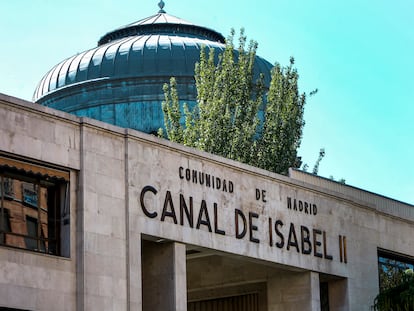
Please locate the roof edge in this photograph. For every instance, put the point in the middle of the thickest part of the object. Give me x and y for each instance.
(161, 23)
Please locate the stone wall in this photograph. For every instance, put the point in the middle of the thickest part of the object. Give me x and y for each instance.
(34, 281)
(259, 231)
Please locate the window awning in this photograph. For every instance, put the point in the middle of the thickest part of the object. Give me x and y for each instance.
(37, 171)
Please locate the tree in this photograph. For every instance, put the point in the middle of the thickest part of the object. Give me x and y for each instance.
(234, 116)
(399, 296)
(318, 161)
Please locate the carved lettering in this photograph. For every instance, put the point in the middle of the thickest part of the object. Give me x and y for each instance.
(203, 218)
(301, 206)
(253, 227)
(281, 242)
(316, 243)
(168, 209)
(216, 228)
(142, 201)
(182, 210)
(238, 214)
(188, 212)
(201, 178)
(292, 239)
(305, 239)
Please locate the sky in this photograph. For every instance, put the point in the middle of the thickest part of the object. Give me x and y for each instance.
(359, 54)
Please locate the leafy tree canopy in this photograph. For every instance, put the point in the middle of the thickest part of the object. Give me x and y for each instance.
(399, 296)
(236, 116)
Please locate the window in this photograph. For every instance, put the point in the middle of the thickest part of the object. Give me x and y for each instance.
(32, 239)
(4, 223)
(391, 267)
(34, 207)
(29, 192)
(7, 187)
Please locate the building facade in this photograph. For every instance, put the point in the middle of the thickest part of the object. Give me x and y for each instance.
(99, 217)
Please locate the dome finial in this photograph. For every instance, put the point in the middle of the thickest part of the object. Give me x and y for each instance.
(161, 6)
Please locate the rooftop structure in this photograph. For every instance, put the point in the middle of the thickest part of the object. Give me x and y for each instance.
(121, 80)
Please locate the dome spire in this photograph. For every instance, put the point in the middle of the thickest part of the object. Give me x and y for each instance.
(161, 6)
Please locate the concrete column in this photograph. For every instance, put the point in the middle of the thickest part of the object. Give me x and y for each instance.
(134, 266)
(294, 291)
(164, 283)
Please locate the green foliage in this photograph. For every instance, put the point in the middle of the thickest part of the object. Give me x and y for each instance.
(283, 122)
(172, 114)
(391, 273)
(226, 121)
(397, 297)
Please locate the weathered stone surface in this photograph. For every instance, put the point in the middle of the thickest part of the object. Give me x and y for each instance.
(249, 229)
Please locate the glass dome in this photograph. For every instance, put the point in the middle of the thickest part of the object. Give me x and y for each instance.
(121, 80)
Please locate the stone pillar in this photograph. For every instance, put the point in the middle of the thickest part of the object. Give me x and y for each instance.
(164, 284)
(294, 291)
(134, 286)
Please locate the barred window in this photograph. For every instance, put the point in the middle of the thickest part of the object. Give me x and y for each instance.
(34, 207)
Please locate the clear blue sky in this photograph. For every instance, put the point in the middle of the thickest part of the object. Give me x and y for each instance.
(358, 53)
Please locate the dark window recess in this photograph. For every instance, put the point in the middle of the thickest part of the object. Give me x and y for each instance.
(34, 208)
(324, 296)
(4, 224)
(7, 188)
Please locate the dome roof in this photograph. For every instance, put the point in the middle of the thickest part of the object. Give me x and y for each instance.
(158, 45)
(137, 56)
(121, 80)
(162, 23)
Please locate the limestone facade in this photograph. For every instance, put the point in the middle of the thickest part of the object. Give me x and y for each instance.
(154, 225)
